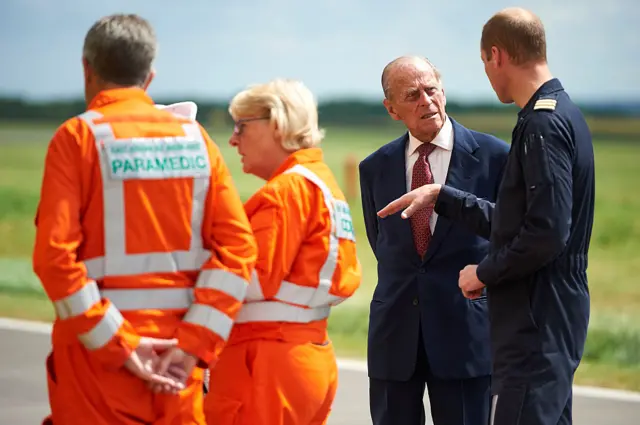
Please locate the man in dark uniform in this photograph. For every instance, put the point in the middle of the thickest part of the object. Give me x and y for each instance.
(539, 230)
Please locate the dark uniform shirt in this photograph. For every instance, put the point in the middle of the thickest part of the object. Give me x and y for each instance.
(539, 231)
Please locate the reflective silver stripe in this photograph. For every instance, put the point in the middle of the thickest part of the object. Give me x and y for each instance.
(206, 378)
(104, 330)
(254, 291)
(150, 299)
(200, 190)
(79, 302)
(155, 262)
(210, 318)
(321, 296)
(305, 295)
(274, 311)
(494, 405)
(223, 281)
(176, 298)
(319, 300)
(116, 262)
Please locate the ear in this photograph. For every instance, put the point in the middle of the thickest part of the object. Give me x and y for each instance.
(277, 134)
(86, 68)
(497, 57)
(149, 79)
(390, 109)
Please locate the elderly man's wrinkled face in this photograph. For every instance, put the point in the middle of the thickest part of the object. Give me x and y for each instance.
(417, 99)
(255, 139)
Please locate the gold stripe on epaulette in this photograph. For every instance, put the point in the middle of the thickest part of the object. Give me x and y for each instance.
(545, 104)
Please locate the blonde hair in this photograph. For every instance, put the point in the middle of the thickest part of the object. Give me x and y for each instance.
(288, 103)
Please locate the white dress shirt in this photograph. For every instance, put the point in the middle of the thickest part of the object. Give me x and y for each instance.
(438, 159)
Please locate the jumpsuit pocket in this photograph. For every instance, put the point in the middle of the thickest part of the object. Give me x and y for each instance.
(51, 370)
(52, 380)
(536, 168)
(222, 410)
(506, 407)
(531, 295)
(481, 299)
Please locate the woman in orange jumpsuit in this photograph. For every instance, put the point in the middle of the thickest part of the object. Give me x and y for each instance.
(279, 366)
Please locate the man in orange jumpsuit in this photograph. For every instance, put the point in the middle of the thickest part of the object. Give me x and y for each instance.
(279, 367)
(142, 245)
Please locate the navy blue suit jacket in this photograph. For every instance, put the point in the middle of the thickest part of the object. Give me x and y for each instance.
(409, 291)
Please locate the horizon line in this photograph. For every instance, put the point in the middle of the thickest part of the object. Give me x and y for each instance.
(342, 98)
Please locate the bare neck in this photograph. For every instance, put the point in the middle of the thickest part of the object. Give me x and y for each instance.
(527, 80)
(273, 163)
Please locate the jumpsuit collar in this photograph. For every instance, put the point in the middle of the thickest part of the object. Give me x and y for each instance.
(548, 88)
(301, 156)
(106, 97)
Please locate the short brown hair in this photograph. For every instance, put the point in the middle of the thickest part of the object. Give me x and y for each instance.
(121, 49)
(517, 31)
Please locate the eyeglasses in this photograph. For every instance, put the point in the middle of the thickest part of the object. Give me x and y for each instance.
(239, 125)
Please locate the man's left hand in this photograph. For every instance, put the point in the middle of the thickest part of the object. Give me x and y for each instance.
(469, 283)
(177, 364)
(420, 198)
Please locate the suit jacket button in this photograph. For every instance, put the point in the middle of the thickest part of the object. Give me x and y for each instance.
(415, 301)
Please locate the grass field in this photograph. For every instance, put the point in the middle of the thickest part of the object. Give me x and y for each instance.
(613, 352)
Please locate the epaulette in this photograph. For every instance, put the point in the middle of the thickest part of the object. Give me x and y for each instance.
(548, 104)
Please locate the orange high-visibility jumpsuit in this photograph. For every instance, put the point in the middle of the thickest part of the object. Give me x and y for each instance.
(140, 232)
(279, 366)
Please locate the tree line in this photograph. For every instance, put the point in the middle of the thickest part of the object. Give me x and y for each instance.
(343, 112)
(610, 121)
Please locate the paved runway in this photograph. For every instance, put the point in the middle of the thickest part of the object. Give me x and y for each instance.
(23, 396)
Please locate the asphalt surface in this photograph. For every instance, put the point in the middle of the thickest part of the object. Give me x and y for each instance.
(23, 393)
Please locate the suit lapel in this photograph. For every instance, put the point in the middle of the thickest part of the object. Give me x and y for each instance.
(461, 167)
(395, 183)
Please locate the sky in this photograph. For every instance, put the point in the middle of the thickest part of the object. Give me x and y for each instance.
(212, 49)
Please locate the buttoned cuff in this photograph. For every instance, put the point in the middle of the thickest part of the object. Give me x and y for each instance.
(486, 272)
(448, 201)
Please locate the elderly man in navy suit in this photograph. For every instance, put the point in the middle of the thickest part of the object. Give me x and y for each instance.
(422, 330)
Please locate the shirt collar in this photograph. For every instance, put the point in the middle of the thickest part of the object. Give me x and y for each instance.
(444, 138)
(301, 156)
(548, 89)
(106, 97)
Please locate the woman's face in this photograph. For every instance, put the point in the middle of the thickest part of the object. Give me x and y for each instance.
(256, 141)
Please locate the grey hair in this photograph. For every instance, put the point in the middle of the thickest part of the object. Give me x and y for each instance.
(400, 62)
(121, 49)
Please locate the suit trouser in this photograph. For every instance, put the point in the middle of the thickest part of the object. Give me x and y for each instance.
(82, 392)
(452, 401)
(269, 382)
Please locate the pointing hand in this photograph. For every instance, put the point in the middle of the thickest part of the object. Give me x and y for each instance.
(422, 197)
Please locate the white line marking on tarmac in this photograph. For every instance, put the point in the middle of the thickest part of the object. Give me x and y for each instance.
(352, 365)
(25, 326)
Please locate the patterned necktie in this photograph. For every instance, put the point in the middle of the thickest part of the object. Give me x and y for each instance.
(420, 219)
